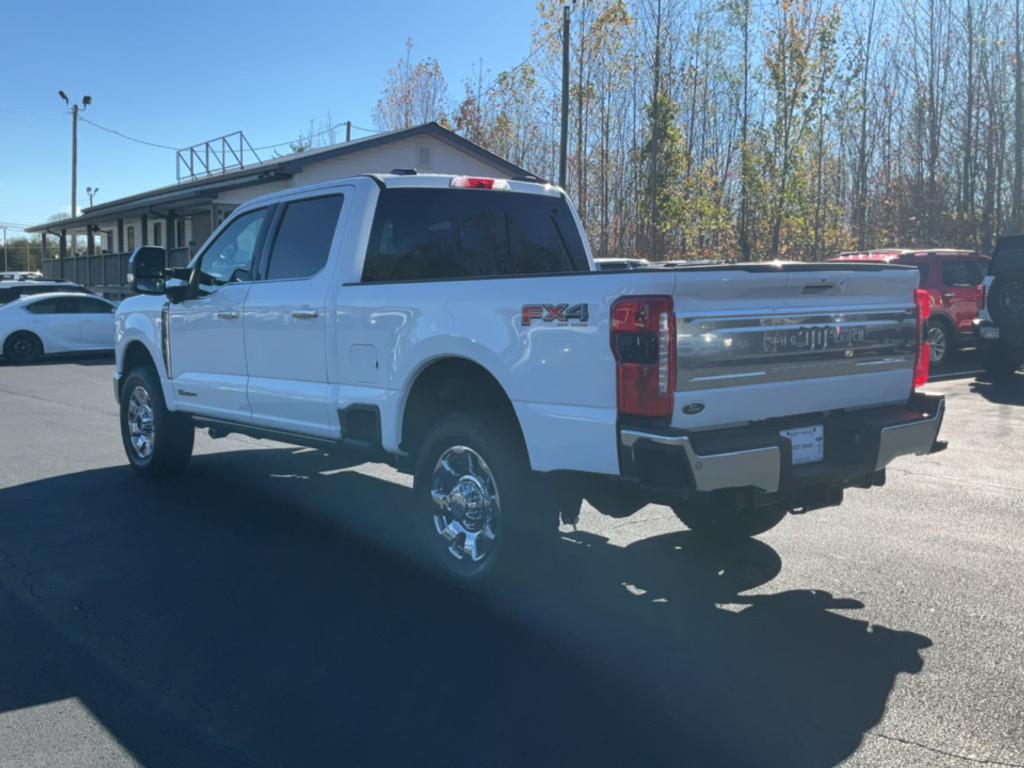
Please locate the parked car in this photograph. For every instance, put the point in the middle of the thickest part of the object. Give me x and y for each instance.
(55, 322)
(953, 280)
(1001, 325)
(619, 265)
(15, 289)
(21, 276)
(455, 328)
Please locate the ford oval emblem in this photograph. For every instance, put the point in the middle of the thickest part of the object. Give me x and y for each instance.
(692, 409)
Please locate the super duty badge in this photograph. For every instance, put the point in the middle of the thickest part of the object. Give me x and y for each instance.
(560, 314)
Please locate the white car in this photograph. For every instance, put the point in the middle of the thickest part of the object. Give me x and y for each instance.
(49, 323)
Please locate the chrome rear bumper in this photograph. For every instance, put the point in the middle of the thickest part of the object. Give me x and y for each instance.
(858, 444)
(757, 467)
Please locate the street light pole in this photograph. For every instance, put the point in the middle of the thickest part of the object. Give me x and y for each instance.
(5, 249)
(563, 149)
(74, 160)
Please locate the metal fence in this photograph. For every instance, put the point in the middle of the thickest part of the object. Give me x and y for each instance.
(104, 273)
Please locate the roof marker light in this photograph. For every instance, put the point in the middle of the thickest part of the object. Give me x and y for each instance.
(476, 182)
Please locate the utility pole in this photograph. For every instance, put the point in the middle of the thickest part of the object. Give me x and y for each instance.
(348, 131)
(563, 150)
(86, 101)
(5, 249)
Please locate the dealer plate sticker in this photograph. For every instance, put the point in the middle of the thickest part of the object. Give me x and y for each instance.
(808, 443)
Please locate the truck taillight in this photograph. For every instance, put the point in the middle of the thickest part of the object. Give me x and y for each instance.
(477, 182)
(644, 343)
(924, 349)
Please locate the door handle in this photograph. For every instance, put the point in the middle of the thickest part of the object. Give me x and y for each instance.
(227, 315)
(305, 314)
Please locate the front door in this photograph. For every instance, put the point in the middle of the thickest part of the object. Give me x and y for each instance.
(206, 337)
(286, 320)
(97, 322)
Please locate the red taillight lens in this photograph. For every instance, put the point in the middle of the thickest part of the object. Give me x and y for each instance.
(644, 343)
(477, 182)
(924, 349)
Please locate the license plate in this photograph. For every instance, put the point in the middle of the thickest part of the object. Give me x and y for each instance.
(808, 443)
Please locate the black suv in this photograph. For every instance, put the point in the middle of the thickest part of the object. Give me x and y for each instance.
(1001, 325)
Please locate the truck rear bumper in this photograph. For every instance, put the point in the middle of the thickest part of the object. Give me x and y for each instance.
(857, 445)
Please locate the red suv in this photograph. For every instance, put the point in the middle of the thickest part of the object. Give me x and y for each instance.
(953, 279)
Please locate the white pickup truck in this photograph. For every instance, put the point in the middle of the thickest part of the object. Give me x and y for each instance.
(456, 328)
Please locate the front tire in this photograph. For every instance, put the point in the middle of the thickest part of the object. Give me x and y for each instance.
(158, 442)
(23, 347)
(472, 490)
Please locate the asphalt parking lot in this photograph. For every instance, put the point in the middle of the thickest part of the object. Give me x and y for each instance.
(263, 610)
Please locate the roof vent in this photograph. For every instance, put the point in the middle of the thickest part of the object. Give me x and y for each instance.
(403, 171)
(424, 156)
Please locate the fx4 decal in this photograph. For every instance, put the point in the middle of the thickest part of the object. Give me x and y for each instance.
(562, 314)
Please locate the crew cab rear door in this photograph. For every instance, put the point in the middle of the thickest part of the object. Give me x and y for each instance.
(286, 318)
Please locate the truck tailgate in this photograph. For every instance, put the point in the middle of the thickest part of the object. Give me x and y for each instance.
(765, 342)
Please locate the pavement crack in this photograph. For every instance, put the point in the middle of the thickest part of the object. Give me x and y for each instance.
(943, 752)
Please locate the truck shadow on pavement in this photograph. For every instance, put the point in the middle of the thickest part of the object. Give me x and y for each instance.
(259, 612)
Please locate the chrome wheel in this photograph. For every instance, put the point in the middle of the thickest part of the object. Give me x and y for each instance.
(141, 431)
(467, 510)
(936, 337)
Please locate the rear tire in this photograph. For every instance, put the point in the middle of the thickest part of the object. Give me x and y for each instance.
(940, 336)
(1006, 302)
(158, 442)
(712, 515)
(473, 498)
(23, 347)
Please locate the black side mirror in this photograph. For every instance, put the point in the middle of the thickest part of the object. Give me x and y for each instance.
(146, 269)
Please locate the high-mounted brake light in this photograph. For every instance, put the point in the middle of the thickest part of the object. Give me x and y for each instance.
(477, 182)
(643, 337)
(924, 349)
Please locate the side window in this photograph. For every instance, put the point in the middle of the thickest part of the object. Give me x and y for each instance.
(93, 306)
(922, 268)
(44, 307)
(303, 240)
(230, 257)
(962, 274)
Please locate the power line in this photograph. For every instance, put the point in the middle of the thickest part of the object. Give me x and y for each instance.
(328, 129)
(126, 136)
(521, 64)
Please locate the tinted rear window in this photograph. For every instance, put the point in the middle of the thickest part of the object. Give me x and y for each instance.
(422, 234)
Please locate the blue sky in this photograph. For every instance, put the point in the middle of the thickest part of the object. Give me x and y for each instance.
(185, 72)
